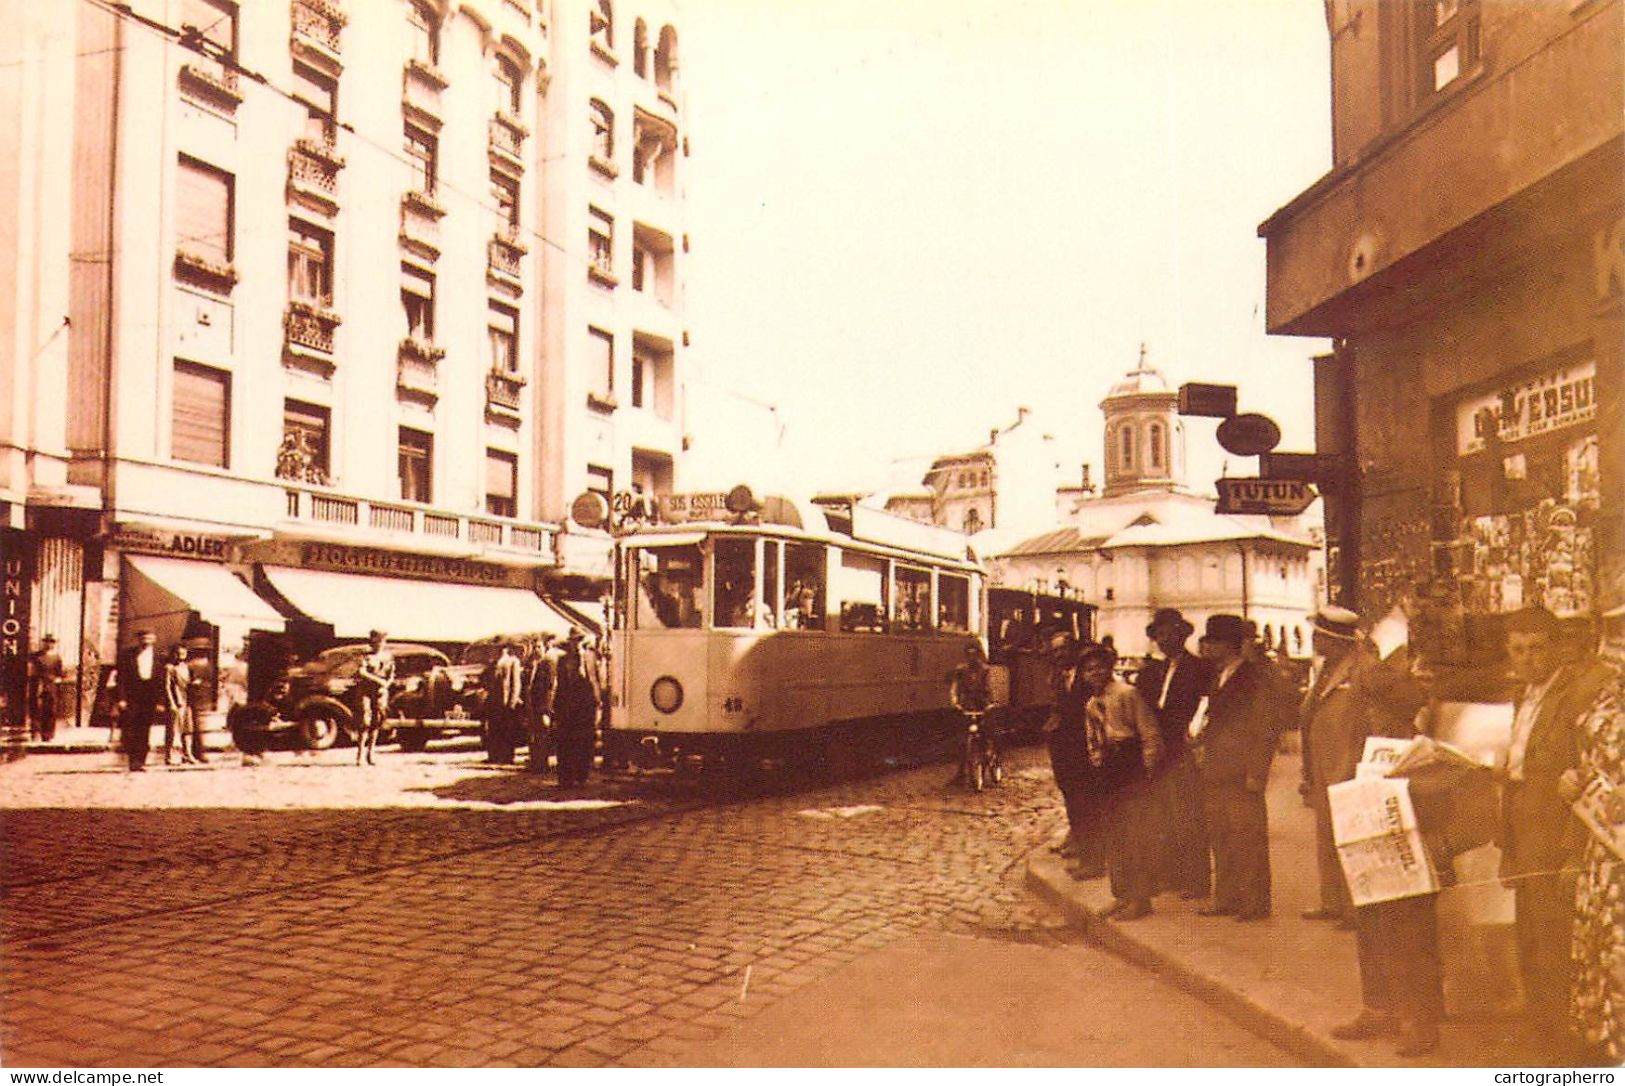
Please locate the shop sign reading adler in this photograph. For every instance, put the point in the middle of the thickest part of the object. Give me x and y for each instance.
(1554, 400)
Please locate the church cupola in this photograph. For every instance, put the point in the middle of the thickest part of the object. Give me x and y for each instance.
(1145, 438)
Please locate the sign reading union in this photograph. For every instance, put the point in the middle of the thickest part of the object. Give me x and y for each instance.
(333, 556)
(1264, 497)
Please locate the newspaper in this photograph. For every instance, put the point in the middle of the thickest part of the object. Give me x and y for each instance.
(1378, 843)
(1602, 808)
(1380, 755)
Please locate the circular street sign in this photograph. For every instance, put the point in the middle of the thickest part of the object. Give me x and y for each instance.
(1249, 435)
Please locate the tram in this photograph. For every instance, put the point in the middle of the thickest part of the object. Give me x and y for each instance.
(1022, 625)
(747, 630)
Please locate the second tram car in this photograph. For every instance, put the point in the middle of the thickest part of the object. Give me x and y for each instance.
(779, 631)
(1021, 626)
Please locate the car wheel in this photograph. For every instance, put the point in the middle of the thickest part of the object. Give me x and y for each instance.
(319, 727)
(413, 740)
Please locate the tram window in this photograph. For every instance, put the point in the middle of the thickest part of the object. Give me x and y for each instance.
(862, 594)
(669, 581)
(735, 599)
(913, 598)
(803, 586)
(770, 583)
(953, 602)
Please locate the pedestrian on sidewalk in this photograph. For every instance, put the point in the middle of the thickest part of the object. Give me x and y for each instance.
(45, 673)
(1234, 749)
(374, 678)
(1125, 747)
(140, 696)
(1542, 840)
(1598, 1004)
(540, 671)
(504, 697)
(200, 702)
(177, 706)
(1334, 729)
(575, 712)
(1066, 732)
(1173, 685)
(1397, 941)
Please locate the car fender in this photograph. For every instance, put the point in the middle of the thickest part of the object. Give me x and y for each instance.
(343, 712)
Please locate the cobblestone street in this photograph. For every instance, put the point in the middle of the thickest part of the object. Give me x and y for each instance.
(466, 915)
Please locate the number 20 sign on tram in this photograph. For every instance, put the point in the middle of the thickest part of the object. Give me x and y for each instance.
(748, 629)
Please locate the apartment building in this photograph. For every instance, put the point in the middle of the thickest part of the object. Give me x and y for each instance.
(1467, 253)
(323, 312)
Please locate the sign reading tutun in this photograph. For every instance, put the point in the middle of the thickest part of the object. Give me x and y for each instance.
(1264, 497)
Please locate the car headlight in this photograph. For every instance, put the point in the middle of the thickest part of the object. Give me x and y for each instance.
(666, 694)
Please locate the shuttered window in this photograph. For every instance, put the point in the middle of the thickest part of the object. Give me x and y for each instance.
(202, 415)
(203, 211)
(501, 483)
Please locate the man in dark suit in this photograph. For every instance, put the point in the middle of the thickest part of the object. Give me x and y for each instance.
(1334, 729)
(1173, 686)
(1541, 838)
(575, 710)
(1233, 752)
(140, 693)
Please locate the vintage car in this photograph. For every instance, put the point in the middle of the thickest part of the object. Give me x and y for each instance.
(315, 704)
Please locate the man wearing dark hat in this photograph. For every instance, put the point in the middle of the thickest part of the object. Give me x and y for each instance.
(1233, 753)
(575, 710)
(1173, 685)
(1334, 732)
(45, 671)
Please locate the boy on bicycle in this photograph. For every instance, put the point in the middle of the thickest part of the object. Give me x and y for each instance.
(970, 689)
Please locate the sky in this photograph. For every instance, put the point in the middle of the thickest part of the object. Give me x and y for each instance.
(910, 217)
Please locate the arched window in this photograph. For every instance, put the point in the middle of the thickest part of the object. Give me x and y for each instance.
(640, 49)
(973, 521)
(603, 132)
(1153, 439)
(601, 26)
(1126, 447)
(425, 31)
(666, 58)
(510, 83)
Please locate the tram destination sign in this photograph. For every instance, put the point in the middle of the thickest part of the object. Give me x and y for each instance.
(1264, 497)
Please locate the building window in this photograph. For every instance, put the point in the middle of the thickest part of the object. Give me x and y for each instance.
(973, 521)
(417, 298)
(310, 264)
(640, 363)
(666, 58)
(416, 463)
(303, 456)
(654, 144)
(319, 93)
(653, 368)
(1447, 43)
(601, 480)
(201, 420)
(425, 31)
(640, 49)
(422, 154)
(204, 212)
(601, 26)
(510, 80)
(603, 131)
(504, 324)
(1154, 444)
(501, 483)
(601, 241)
(505, 194)
(601, 366)
(1126, 447)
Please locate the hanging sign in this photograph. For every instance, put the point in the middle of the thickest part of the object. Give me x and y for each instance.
(1264, 497)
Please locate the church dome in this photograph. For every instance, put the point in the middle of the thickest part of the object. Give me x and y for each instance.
(1142, 380)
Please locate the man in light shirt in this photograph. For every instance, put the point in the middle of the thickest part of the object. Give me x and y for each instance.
(1124, 746)
(1541, 838)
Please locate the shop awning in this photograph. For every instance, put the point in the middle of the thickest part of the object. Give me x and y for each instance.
(168, 588)
(408, 610)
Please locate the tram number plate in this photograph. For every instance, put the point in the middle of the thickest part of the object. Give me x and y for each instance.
(733, 705)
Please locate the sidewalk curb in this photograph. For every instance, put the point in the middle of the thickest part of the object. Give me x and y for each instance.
(1048, 878)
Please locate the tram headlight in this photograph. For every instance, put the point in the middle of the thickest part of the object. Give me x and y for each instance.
(666, 694)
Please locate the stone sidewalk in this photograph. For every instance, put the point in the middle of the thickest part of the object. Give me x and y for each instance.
(1292, 980)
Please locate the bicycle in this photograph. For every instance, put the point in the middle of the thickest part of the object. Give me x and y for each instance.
(981, 764)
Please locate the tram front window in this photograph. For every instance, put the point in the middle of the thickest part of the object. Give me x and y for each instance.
(804, 586)
(953, 602)
(913, 598)
(736, 603)
(669, 580)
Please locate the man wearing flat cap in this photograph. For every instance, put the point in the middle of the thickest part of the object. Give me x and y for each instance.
(1334, 733)
(1173, 685)
(1233, 752)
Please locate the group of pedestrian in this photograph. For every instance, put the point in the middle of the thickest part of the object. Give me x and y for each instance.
(1164, 788)
(1163, 780)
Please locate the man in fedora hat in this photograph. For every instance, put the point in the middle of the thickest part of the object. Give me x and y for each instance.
(1234, 748)
(575, 710)
(1334, 730)
(1173, 685)
(45, 671)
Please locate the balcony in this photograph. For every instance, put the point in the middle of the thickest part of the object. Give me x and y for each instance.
(504, 393)
(307, 337)
(420, 91)
(317, 25)
(360, 520)
(313, 175)
(205, 272)
(420, 224)
(507, 141)
(417, 370)
(211, 83)
(504, 262)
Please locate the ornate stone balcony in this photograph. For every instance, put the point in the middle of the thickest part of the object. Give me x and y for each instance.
(317, 25)
(417, 370)
(313, 175)
(507, 141)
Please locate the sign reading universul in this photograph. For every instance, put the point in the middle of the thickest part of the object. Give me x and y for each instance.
(1554, 400)
(382, 563)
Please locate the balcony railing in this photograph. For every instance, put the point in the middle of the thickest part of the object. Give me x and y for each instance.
(417, 371)
(309, 326)
(212, 82)
(318, 23)
(503, 389)
(367, 519)
(508, 138)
